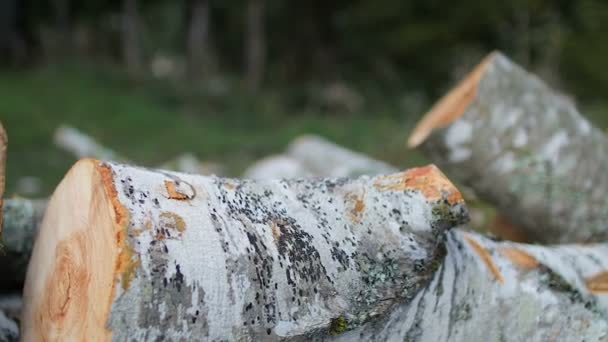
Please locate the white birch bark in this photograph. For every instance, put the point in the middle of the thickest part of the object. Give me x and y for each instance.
(326, 158)
(277, 167)
(523, 148)
(311, 155)
(82, 145)
(503, 291)
(185, 257)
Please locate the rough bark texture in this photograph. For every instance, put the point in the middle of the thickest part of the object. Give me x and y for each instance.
(524, 148)
(22, 218)
(210, 258)
(502, 291)
(312, 155)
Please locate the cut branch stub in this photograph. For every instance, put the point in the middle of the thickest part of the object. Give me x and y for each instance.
(119, 255)
(523, 148)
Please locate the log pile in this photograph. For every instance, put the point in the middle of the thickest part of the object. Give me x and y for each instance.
(343, 247)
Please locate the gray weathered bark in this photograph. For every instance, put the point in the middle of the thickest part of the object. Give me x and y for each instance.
(523, 148)
(10, 308)
(9, 331)
(22, 217)
(210, 258)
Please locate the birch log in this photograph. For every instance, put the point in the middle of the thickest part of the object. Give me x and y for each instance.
(82, 145)
(132, 254)
(503, 291)
(324, 157)
(524, 148)
(277, 167)
(22, 218)
(311, 155)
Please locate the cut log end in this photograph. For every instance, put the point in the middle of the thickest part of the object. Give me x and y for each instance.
(67, 271)
(451, 106)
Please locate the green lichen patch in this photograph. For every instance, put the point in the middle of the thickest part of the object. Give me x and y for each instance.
(338, 326)
(445, 213)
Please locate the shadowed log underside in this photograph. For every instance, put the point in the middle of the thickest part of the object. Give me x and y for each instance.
(129, 253)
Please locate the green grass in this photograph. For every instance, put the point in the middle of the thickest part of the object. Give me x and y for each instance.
(149, 123)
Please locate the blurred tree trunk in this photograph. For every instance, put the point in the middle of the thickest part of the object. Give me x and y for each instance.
(255, 44)
(61, 9)
(198, 37)
(9, 32)
(131, 38)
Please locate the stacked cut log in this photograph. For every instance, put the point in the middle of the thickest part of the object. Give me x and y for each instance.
(9, 330)
(82, 146)
(22, 218)
(525, 149)
(311, 155)
(128, 253)
(159, 284)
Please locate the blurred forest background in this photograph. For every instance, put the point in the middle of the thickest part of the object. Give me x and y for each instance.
(233, 81)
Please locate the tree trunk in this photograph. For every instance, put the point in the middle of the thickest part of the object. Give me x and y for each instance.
(198, 37)
(22, 218)
(503, 291)
(523, 148)
(130, 253)
(131, 38)
(255, 44)
(278, 166)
